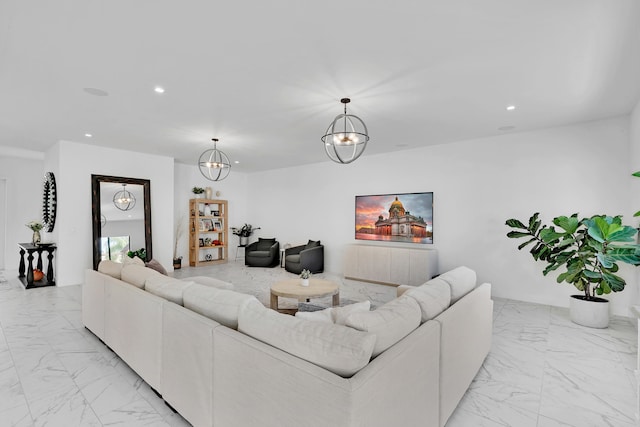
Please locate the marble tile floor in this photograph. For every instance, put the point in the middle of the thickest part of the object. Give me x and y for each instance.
(542, 370)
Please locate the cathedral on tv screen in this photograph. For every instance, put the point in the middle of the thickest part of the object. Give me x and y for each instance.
(401, 223)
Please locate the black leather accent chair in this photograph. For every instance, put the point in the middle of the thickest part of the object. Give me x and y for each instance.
(263, 253)
(305, 257)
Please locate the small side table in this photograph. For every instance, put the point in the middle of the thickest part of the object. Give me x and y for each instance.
(244, 248)
(30, 249)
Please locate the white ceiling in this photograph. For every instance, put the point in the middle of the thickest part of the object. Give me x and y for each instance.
(266, 77)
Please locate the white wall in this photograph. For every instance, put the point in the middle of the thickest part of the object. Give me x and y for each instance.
(477, 185)
(634, 196)
(233, 189)
(73, 165)
(24, 178)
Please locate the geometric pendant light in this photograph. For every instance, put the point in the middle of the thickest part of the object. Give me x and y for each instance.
(214, 164)
(123, 199)
(346, 137)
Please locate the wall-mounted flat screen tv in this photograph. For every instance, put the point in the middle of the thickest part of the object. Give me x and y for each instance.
(402, 217)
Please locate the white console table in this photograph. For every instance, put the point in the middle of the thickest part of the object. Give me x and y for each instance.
(389, 265)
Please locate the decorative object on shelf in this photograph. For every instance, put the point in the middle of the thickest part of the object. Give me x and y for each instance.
(305, 275)
(140, 253)
(214, 164)
(35, 226)
(49, 202)
(346, 137)
(124, 199)
(244, 233)
(207, 210)
(198, 191)
(208, 257)
(589, 249)
(208, 193)
(207, 241)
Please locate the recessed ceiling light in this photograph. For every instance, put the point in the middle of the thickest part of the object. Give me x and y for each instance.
(95, 91)
(88, 135)
(159, 89)
(506, 128)
(511, 107)
(402, 145)
(236, 162)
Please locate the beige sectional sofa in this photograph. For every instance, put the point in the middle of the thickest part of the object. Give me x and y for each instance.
(220, 358)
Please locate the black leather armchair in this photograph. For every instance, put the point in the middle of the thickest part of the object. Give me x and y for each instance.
(263, 253)
(305, 257)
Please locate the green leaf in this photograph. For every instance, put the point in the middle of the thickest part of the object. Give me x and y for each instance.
(549, 235)
(623, 234)
(517, 234)
(568, 224)
(636, 174)
(533, 220)
(626, 254)
(637, 213)
(522, 245)
(592, 274)
(616, 283)
(605, 260)
(514, 223)
(595, 229)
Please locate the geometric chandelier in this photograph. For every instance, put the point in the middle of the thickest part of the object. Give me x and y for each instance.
(346, 137)
(214, 164)
(123, 199)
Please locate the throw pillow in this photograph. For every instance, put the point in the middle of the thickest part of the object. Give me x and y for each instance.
(341, 350)
(156, 266)
(337, 315)
(264, 244)
(312, 244)
(390, 322)
(135, 260)
(433, 297)
(316, 316)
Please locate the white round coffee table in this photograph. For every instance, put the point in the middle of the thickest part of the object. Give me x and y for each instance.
(292, 288)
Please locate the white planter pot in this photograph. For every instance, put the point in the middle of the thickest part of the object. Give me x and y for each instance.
(593, 314)
(304, 282)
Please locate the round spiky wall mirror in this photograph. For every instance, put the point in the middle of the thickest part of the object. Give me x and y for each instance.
(49, 202)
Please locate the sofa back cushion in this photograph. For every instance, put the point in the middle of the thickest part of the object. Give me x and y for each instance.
(461, 280)
(108, 267)
(210, 281)
(341, 350)
(220, 305)
(167, 287)
(265, 244)
(390, 322)
(137, 275)
(433, 297)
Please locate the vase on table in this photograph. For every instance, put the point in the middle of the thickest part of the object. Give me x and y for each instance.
(244, 240)
(208, 193)
(36, 237)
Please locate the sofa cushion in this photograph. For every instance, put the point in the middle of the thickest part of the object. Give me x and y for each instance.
(312, 244)
(259, 254)
(136, 274)
(156, 266)
(167, 287)
(113, 269)
(433, 297)
(339, 349)
(337, 315)
(220, 305)
(209, 281)
(293, 258)
(390, 322)
(461, 280)
(264, 244)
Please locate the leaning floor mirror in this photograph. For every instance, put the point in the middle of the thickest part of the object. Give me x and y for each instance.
(121, 212)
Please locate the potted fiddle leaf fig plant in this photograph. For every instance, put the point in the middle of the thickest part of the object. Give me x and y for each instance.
(589, 249)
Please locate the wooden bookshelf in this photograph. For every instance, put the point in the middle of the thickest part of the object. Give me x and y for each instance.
(208, 232)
